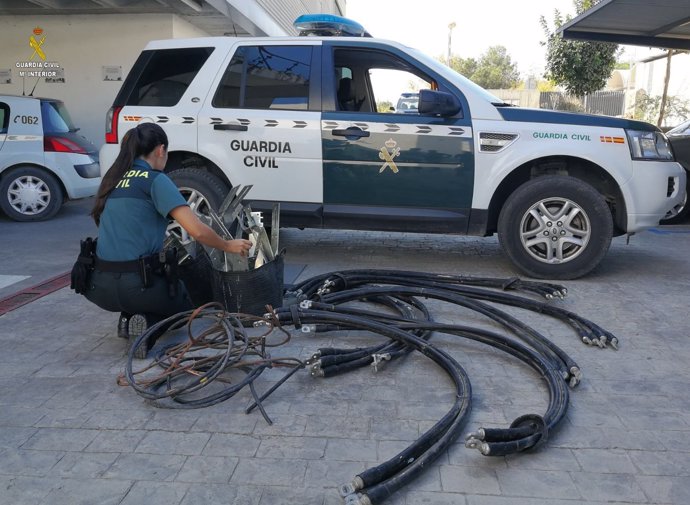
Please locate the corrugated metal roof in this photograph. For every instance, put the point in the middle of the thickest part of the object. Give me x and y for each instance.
(653, 23)
(215, 17)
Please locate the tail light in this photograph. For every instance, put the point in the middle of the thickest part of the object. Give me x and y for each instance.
(111, 120)
(61, 145)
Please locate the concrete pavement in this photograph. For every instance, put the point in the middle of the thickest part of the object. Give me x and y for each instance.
(70, 435)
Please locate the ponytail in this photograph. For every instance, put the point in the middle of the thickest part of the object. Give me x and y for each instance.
(139, 141)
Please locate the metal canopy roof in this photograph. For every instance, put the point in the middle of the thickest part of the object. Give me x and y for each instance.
(215, 17)
(653, 23)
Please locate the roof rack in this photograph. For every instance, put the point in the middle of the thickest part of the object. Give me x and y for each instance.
(328, 25)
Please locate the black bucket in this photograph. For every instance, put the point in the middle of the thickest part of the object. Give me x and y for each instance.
(249, 292)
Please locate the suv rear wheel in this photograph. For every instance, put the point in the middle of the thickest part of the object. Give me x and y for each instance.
(555, 227)
(30, 194)
(202, 190)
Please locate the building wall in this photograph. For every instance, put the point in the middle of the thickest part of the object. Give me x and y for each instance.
(649, 78)
(181, 29)
(82, 45)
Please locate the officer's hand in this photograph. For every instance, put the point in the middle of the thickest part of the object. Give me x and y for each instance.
(238, 246)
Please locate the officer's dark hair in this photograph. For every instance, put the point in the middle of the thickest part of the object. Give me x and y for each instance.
(139, 141)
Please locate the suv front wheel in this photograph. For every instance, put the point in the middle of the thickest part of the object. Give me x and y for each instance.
(30, 194)
(555, 227)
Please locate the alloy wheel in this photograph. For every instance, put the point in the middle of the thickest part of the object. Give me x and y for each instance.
(555, 230)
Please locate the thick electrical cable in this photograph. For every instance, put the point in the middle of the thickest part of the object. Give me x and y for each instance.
(387, 303)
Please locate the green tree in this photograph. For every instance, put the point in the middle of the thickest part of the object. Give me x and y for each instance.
(493, 70)
(463, 66)
(384, 106)
(648, 108)
(581, 67)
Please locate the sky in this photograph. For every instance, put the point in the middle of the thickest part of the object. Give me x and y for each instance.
(423, 24)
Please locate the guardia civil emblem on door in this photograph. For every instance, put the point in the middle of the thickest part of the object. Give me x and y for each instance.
(388, 153)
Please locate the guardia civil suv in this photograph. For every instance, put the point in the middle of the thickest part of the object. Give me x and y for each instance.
(307, 121)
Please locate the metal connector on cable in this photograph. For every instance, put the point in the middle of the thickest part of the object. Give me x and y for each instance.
(315, 369)
(351, 487)
(378, 359)
(357, 499)
(575, 376)
(474, 443)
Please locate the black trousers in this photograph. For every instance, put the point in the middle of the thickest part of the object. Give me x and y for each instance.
(123, 292)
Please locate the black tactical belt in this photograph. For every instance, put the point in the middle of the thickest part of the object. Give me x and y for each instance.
(120, 267)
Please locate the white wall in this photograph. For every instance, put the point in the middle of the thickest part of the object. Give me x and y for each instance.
(650, 76)
(185, 30)
(83, 44)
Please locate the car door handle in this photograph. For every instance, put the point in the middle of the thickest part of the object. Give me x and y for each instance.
(234, 127)
(351, 132)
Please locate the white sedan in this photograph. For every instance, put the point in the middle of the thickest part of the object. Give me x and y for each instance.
(43, 160)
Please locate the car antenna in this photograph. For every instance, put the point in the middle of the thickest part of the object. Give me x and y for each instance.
(34, 88)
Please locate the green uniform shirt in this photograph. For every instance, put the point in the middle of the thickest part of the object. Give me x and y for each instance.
(135, 217)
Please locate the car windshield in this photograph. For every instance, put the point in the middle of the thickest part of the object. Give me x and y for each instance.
(681, 129)
(408, 103)
(56, 118)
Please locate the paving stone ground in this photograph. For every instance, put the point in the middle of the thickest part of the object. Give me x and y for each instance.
(70, 435)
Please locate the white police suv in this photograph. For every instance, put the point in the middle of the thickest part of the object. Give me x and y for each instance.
(43, 159)
(299, 119)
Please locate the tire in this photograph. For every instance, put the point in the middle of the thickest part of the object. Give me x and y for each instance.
(541, 245)
(202, 190)
(30, 194)
(680, 212)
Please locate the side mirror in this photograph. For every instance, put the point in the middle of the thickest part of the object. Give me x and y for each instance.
(437, 103)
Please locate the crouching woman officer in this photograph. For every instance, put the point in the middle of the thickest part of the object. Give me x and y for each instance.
(133, 206)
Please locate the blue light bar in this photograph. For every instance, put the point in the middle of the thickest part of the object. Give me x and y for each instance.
(328, 25)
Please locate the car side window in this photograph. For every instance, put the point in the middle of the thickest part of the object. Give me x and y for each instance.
(165, 74)
(376, 81)
(266, 77)
(4, 117)
(55, 118)
(396, 90)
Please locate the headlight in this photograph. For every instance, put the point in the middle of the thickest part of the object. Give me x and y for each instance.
(646, 145)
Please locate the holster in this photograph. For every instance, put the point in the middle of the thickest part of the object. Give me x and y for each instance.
(83, 267)
(164, 263)
(171, 270)
(148, 265)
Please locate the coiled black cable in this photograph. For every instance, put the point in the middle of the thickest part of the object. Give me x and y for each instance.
(385, 479)
(205, 358)
(348, 301)
(521, 330)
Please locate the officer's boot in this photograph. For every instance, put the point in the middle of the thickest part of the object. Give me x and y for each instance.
(136, 326)
(122, 325)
